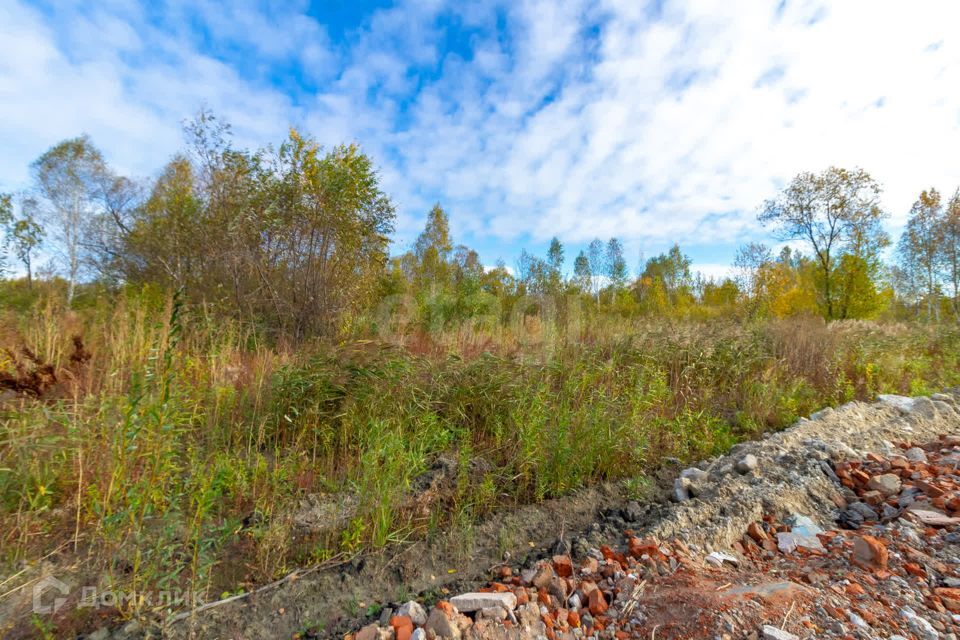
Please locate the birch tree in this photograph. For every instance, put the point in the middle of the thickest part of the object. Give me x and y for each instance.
(950, 250)
(921, 244)
(67, 179)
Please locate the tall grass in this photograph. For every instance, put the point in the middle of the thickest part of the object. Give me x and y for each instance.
(179, 454)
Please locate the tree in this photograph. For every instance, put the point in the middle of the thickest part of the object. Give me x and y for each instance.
(6, 218)
(533, 273)
(615, 266)
(105, 234)
(835, 211)
(581, 272)
(950, 250)
(432, 249)
(920, 246)
(168, 242)
(666, 280)
(555, 263)
(595, 256)
(23, 234)
(671, 268)
(318, 253)
(748, 261)
(292, 238)
(70, 181)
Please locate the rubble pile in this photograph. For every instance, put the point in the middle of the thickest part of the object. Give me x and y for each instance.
(882, 563)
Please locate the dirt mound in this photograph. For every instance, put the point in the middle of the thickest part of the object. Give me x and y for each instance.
(752, 546)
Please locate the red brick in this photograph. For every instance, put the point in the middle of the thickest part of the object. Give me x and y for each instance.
(563, 566)
(402, 627)
(597, 603)
(870, 553)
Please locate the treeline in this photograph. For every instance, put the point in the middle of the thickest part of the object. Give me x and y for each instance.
(296, 240)
(293, 238)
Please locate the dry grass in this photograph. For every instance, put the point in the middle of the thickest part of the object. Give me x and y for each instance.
(178, 451)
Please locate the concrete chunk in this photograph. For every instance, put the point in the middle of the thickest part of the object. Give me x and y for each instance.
(770, 632)
(467, 602)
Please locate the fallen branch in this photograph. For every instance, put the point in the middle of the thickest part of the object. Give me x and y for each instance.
(336, 560)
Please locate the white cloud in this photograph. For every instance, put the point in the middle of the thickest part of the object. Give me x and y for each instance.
(558, 118)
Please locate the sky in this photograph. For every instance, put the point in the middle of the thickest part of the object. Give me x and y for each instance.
(654, 121)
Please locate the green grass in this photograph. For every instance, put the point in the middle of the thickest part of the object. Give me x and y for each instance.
(179, 453)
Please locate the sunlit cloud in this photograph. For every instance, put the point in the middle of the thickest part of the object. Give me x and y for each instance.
(657, 122)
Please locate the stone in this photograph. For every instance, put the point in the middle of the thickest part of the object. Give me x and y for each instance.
(820, 415)
(887, 484)
(558, 588)
(369, 632)
(590, 565)
(419, 634)
(889, 513)
(385, 614)
(943, 397)
(771, 593)
(415, 611)
(541, 579)
(924, 408)
(746, 464)
(696, 480)
(442, 625)
(857, 621)
(870, 553)
(770, 632)
(492, 613)
(632, 512)
(931, 517)
(918, 625)
(132, 628)
(916, 454)
(681, 490)
(865, 511)
(900, 403)
(788, 542)
(100, 634)
(694, 474)
(717, 559)
(467, 602)
(828, 471)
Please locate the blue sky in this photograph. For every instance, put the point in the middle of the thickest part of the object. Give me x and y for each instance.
(657, 121)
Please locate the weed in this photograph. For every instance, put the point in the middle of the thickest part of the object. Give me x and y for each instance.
(174, 450)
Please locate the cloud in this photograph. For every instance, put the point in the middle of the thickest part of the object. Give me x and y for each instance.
(658, 122)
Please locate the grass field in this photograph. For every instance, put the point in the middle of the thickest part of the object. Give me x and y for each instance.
(176, 449)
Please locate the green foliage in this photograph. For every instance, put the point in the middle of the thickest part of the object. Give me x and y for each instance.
(185, 442)
(297, 361)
